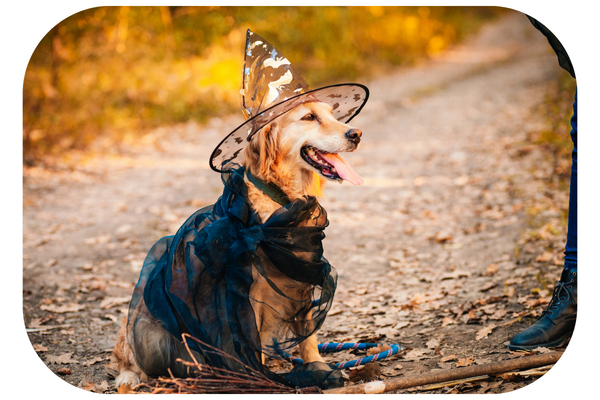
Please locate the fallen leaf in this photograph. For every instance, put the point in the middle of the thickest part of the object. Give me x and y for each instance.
(387, 332)
(416, 354)
(545, 257)
(542, 350)
(442, 237)
(65, 308)
(513, 281)
(123, 229)
(456, 274)
(37, 322)
(498, 314)
(448, 358)
(401, 324)
(92, 284)
(369, 372)
(102, 386)
(113, 318)
(39, 347)
(461, 180)
(50, 263)
(492, 269)
(114, 301)
(487, 286)
(93, 361)
(484, 332)
(453, 246)
(362, 290)
(383, 321)
(379, 349)
(62, 359)
(433, 343)
(447, 321)
(98, 239)
(464, 362)
(124, 389)
(340, 329)
(397, 370)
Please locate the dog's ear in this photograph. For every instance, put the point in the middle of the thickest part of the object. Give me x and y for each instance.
(268, 146)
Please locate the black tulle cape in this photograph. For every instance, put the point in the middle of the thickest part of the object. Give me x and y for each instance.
(198, 282)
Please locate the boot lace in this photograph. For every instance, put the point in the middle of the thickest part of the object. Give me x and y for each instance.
(561, 295)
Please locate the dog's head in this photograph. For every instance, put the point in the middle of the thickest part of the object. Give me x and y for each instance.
(306, 139)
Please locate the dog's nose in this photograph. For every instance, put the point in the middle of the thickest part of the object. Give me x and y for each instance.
(354, 135)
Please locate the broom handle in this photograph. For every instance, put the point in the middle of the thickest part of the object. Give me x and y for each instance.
(443, 376)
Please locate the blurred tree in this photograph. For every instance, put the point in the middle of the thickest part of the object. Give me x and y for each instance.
(114, 72)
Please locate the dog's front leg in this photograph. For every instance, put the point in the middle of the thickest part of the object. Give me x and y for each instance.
(309, 351)
(308, 348)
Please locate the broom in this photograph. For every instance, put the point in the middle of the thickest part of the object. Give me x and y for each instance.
(213, 380)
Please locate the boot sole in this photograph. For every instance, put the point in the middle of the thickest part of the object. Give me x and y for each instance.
(557, 343)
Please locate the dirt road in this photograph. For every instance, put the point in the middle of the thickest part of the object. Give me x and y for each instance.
(450, 246)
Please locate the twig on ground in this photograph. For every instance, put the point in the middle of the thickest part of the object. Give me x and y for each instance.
(454, 374)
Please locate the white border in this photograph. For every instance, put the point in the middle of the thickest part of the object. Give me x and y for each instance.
(26, 22)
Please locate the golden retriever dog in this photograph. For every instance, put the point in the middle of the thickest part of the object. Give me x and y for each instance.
(295, 152)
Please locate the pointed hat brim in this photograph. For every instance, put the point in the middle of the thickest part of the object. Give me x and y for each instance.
(271, 87)
(347, 100)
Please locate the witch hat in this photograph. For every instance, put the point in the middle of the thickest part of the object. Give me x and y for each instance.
(272, 87)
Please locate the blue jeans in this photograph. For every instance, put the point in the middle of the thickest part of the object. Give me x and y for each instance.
(571, 246)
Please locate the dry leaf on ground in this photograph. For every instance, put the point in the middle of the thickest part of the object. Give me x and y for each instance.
(433, 343)
(39, 347)
(390, 333)
(488, 286)
(369, 372)
(114, 301)
(401, 324)
(464, 362)
(492, 268)
(484, 332)
(62, 359)
(384, 321)
(98, 239)
(451, 357)
(124, 389)
(416, 354)
(101, 388)
(544, 257)
(65, 308)
(379, 349)
(93, 361)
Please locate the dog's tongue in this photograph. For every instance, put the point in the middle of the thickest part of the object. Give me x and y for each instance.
(344, 170)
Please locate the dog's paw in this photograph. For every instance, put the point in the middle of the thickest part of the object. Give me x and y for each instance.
(127, 378)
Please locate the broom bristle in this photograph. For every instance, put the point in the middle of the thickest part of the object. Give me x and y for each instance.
(214, 380)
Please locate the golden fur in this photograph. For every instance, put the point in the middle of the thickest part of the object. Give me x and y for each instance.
(273, 156)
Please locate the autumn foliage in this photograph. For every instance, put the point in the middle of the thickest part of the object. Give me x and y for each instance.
(112, 73)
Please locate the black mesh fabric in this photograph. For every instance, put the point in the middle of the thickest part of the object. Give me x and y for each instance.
(199, 282)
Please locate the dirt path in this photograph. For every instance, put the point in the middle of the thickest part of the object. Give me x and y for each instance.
(454, 231)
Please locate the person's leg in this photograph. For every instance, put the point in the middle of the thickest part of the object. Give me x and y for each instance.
(571, 247)
(558, 321)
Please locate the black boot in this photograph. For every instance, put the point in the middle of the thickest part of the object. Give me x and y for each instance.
(557, 322)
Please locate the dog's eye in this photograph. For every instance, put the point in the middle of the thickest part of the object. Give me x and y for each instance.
(309, 117)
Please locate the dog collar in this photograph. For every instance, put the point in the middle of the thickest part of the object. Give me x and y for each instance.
(271, 190)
